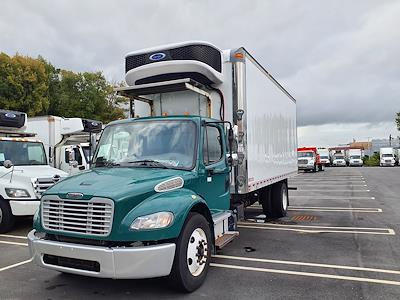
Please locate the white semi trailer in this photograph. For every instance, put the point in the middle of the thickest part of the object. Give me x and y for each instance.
(24, 172)
(68, 141)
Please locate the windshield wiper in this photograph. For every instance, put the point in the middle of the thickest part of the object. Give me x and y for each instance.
(106, 163)
(149, 162)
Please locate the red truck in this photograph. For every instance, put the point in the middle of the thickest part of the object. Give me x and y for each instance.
(308, 159)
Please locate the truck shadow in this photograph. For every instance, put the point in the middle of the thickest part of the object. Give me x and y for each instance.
(118, 289)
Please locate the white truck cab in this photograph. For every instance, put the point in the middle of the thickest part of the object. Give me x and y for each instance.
(339, 160)
(24, 171)
(387, 157)
(324, 156)
(355, 157)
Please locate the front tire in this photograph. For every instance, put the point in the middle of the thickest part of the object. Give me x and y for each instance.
(279, 200)
(7, 219)
(193, 254)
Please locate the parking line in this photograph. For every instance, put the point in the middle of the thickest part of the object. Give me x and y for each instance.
(13, 236)
(326, 209)
(320, 275)
(13, 243)
(298, 263)
(16, 265)
(337, 185)
(359, 191)
(315, 229)
(333, 197)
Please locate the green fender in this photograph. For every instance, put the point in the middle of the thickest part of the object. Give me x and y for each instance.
(180, 202)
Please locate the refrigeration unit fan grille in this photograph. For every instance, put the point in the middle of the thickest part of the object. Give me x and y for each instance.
(203, 53)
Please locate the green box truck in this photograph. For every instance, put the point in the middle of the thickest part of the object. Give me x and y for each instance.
(210, 133)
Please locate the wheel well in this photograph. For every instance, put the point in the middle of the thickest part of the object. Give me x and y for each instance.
(202, 209)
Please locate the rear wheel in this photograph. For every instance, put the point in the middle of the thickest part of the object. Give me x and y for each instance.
(7, 219)
(279, 199)
(265, 201)
(193, 253)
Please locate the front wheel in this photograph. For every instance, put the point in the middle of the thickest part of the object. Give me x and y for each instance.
(193, 253)
(7, 219)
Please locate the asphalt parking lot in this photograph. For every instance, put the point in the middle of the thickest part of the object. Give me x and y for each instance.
(339, 241)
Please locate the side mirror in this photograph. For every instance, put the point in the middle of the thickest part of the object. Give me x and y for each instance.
(7, 164)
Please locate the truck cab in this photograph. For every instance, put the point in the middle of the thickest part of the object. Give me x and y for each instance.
(355, 157)
(308, 159)
(324, 156)
(24, 172)
(339, 160)
(387, 157)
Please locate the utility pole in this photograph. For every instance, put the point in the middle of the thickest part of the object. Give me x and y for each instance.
(390, 140)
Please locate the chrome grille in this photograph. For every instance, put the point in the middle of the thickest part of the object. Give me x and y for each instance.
(42, 184)
(303, 161)
(86, 217)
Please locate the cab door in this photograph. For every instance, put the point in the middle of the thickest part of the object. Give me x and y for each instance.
(215, 170)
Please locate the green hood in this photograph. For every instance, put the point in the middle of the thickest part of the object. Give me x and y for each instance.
(115, 183)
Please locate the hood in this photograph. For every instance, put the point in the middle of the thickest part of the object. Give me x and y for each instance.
(42, 171)
(116, 183)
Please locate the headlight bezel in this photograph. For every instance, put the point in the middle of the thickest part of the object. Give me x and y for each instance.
(160, 220)
(11, 192)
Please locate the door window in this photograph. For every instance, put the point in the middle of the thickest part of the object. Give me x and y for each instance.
(212, 145)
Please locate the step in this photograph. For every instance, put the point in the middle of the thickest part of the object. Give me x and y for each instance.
(226, 238)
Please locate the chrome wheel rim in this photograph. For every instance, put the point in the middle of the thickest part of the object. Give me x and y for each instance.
(284, 199)
(197, 252)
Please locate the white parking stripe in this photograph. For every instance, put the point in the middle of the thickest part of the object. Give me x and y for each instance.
(261, 222)
(320, 275)
(332, 197)
(13, 236)
(317, 229)
(13, 243)
(349, 190)
(325, 209)
(331, 185)
(16, 265)
(298, 263)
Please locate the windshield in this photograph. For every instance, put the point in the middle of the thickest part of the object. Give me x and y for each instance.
(339, 157)
(22, 153)
(161, 143)
(305, 154)
(387, 155)
(355, 157)
(324, 157)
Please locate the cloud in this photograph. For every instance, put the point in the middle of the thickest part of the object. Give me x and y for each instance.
(339, 59)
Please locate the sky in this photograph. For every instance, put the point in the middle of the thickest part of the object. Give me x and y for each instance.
(338, 58)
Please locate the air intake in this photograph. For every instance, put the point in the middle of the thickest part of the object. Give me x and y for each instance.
(12, 119)
(199, 61)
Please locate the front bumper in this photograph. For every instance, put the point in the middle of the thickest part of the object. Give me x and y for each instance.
(306, 167)
(118, 262)
(355, 164)
(24, 207)
(387, 164)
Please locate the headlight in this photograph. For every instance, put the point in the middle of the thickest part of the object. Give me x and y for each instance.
(153, 221)
(17, 193)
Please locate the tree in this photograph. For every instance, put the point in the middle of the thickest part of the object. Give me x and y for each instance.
(23, 84)
(398, 121)
(37, 87)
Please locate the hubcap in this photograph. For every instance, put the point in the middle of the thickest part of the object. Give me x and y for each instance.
(197, 252)
(284, 199)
